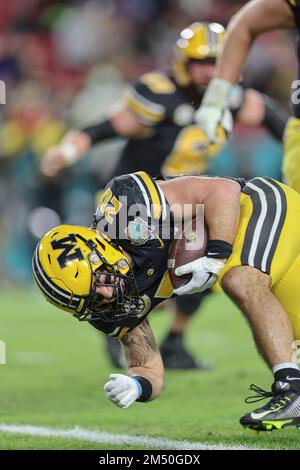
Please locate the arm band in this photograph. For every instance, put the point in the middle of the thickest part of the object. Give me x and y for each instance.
(274, 119)
(101, 131)
(146, 388)
(218, 249)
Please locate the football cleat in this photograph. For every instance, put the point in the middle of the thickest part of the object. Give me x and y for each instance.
(175, 356)
(281, 411)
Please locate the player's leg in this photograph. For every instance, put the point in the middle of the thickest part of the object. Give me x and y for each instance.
(249, 288)
(272, 329)
(266, 247)
(290, 166)
(277, 343)
(172, 348)
(287, 291)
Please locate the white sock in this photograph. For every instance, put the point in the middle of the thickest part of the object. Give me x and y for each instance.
(285, 365)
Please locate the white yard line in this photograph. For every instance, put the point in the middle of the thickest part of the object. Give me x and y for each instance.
(115, 439)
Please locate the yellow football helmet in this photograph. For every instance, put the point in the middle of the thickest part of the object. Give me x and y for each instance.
(199, 41)
(67, 264)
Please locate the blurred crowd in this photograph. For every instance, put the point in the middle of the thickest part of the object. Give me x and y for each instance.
(65, 63)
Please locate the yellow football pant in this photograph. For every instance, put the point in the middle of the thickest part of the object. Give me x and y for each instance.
(285, 263)
(291, 157)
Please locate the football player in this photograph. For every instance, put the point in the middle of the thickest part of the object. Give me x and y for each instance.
(256, 17)
(157, 118)
(113, 275)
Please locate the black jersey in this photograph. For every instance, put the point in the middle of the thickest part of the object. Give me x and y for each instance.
(134, 213)
(174, 144)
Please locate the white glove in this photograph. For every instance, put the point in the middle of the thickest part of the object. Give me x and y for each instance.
(57, 158)
(211, 113)
(122, 390)
(205, 274)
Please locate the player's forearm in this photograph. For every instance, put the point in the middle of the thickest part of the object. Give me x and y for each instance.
(155, 376)
(222, 210)
(230, 64)
(256, 17)
(77, 142)
(259, 109)
(101, 131)
(274, 119)
(78, 139)
(144, 359)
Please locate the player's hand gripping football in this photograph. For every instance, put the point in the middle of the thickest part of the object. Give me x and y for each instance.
(122, 390)
(205, 274)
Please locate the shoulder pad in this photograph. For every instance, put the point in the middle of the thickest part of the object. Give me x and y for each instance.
(151, 97)
(158, 83)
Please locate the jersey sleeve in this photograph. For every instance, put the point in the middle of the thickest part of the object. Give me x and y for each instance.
(150, 98)
(115, 330)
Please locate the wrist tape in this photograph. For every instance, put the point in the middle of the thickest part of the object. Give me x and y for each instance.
(218, 249)
(145, 388)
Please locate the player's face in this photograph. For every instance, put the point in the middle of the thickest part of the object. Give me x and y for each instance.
(201, 73)
(106, 288)
(105, 291)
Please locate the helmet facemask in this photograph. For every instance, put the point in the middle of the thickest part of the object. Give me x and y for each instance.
(125, 299)
(71, 262)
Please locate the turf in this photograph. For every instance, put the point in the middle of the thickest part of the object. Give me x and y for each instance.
(56, 368)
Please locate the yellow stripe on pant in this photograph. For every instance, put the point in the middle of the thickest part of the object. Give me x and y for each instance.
(291, 156)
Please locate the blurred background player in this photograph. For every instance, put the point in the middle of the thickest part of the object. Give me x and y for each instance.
(156, 116)
(55, 82)
(257, 17)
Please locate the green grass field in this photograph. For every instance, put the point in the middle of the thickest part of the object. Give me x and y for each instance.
(56, 369)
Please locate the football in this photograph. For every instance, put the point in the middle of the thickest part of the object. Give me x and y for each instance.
(189, 244)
